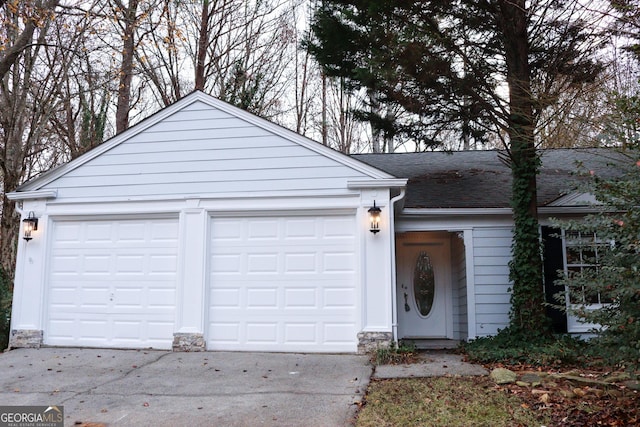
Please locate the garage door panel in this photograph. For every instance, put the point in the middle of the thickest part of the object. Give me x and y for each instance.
(262, 263)
(225, 333)
(301, 333)
(300, 297)
(301, 228)
(338, 333)
(338, 228)
(262, 333)
(338, 262)
(265, 229)
(262, 297)
(283, 284)
(112, 283)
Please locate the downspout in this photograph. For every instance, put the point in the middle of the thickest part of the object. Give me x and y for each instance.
(392, 230)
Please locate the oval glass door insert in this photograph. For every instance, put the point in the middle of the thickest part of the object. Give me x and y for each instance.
(424, 285)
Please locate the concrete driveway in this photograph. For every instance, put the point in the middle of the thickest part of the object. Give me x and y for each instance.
(160, 388)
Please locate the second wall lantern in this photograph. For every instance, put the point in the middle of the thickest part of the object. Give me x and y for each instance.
(374, 218)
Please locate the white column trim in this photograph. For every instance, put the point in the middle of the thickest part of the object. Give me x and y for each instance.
(471, 284)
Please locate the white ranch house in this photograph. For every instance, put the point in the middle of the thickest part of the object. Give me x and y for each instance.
(207, 228)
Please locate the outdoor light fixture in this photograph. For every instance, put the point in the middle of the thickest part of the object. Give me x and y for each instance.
(374, 218)
(30, 224)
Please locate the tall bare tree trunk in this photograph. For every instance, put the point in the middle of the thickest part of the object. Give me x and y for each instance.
(325, 140)
(9, 226)
(203, 42)
(527, 298)
(126, 70)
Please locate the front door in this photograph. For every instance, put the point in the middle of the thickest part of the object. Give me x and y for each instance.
(424, 286)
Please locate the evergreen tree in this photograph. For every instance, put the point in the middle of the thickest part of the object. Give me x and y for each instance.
(481, 67)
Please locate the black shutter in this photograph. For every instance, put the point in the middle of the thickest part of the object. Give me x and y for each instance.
(553, 261)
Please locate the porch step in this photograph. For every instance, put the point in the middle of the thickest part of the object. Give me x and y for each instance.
(432, 344)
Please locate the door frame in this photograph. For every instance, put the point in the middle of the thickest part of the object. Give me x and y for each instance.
(426, 237)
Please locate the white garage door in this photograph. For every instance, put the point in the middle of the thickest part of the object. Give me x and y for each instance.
(112, 283)
(283, 284)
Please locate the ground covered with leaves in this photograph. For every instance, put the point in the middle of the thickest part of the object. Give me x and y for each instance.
(578, 396)
(444, 401)
(558, 398)
(559, 384)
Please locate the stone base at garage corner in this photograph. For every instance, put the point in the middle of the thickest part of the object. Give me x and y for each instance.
(188, 342)
(25, 338)
(372, 341)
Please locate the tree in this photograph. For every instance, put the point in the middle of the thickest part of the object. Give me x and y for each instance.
(613, 279)
(235, 50)
(27, 100)
(15, 37)
(128, 24)
(476, 67)
(83, 94)
(616, 227)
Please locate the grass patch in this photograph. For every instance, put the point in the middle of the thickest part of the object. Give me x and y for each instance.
(443, 401)
(394, 355)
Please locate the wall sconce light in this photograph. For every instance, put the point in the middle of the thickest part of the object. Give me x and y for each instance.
(30, 225)
(374, 218)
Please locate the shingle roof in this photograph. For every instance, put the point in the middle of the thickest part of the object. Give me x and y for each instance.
(479, 179)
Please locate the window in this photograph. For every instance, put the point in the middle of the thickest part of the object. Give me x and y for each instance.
(581, 256)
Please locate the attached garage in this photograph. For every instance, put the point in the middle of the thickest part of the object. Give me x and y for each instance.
(205, 227)
(112, 283)
(283, 283)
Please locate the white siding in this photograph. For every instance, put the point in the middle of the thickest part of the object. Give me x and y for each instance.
(492, 253)
(202, 150)
(459, 284)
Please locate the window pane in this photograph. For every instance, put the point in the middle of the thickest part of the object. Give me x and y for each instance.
(424, 284)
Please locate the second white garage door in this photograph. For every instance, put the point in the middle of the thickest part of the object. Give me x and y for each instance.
(283, 284)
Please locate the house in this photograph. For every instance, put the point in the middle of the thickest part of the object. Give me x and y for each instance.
(205, 227)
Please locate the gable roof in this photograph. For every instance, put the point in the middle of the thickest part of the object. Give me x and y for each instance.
(479, 179)
(32, 186)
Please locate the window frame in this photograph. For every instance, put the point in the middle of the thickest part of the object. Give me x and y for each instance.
(574, 325)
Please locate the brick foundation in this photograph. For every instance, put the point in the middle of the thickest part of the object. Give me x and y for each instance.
(25, 338)
(188, 342)
(371, 341)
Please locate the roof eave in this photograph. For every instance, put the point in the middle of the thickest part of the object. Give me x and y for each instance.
(358, 184)
(32, 195)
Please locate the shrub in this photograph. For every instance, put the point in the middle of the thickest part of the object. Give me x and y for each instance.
(614, 277)
(514, 348)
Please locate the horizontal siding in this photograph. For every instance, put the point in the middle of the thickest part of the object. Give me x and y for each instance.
(490, 279)
(497, 270)
(202, 150)
(221, 135)
(492, 253)
(220, 179)
(492, 289)
(486, 300)
(461, 329)
(153, 164)
(198, 188)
